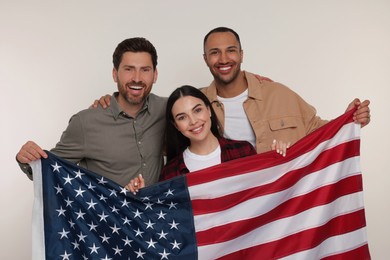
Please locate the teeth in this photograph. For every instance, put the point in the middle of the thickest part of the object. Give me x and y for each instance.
(225, 68)
(136, 87)
(196, 129)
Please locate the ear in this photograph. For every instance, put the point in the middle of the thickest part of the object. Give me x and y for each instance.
(115, 75)
(205, 58)
(155, 76)
(242, 55)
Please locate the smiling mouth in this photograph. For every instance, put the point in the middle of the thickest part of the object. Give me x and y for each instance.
(197, 130)
(135, 87)
(224, 69)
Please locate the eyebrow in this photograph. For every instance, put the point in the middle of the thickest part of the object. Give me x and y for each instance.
(229, 47)
(142, 67)
(179, 114)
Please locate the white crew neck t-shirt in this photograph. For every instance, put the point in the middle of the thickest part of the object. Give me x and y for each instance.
(196, 162)
(237, 125)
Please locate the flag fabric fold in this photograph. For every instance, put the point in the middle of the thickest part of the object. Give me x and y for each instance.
(307, 205)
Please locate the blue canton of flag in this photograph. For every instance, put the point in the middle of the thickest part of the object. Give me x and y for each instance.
(87, 216)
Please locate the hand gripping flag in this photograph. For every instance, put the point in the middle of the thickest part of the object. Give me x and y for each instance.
(307, 205)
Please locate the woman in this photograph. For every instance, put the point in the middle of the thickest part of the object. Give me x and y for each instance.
(193, 140)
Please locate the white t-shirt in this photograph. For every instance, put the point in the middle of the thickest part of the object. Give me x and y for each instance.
(237, 125)
(196, 162)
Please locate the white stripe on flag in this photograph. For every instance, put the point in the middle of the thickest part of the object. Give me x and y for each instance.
(38, 241)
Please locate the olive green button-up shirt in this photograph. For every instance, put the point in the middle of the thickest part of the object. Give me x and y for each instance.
(115, 145)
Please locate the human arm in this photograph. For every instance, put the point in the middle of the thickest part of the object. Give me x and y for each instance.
(362, 114)
(70, 147)
(73, 144)
(104, 101)
(135, 184)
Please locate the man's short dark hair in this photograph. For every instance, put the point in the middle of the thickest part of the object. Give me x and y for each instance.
(221, 29)
(136, 44)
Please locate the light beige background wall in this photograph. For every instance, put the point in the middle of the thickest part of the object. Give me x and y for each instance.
(55, 59)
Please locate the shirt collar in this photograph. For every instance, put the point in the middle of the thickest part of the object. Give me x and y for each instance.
(254, 86)
(117, 110)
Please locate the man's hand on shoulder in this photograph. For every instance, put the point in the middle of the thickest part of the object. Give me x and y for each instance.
(104, 101)
(262, 78)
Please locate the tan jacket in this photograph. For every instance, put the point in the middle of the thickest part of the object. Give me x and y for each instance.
(274, 112)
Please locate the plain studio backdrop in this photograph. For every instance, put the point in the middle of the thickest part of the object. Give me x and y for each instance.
(56, 59)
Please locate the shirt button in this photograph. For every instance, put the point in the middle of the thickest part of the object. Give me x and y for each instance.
(139, 142)
(144, 165)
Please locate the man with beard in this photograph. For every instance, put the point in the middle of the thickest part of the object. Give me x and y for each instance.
(258, 111)
(125, 140)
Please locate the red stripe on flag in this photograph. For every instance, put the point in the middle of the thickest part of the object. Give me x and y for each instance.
(304, 240)
(291, 207)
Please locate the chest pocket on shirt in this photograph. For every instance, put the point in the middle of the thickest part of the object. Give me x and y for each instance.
(283, 123)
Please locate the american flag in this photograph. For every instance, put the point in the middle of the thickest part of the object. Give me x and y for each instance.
(307, 205)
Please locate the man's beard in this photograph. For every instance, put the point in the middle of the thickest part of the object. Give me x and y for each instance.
(131, 99)
(138, 101)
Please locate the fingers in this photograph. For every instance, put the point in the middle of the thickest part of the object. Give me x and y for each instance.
(273, 145)
(130, 188)
(365, 103)
(29, 152)
(135, 184)
(104, 101)
(353, 104)
(261, 78)
(141, 181)
(362, 115)
(283, 148)
(95, 104)
(107, 99)
(280, 147)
